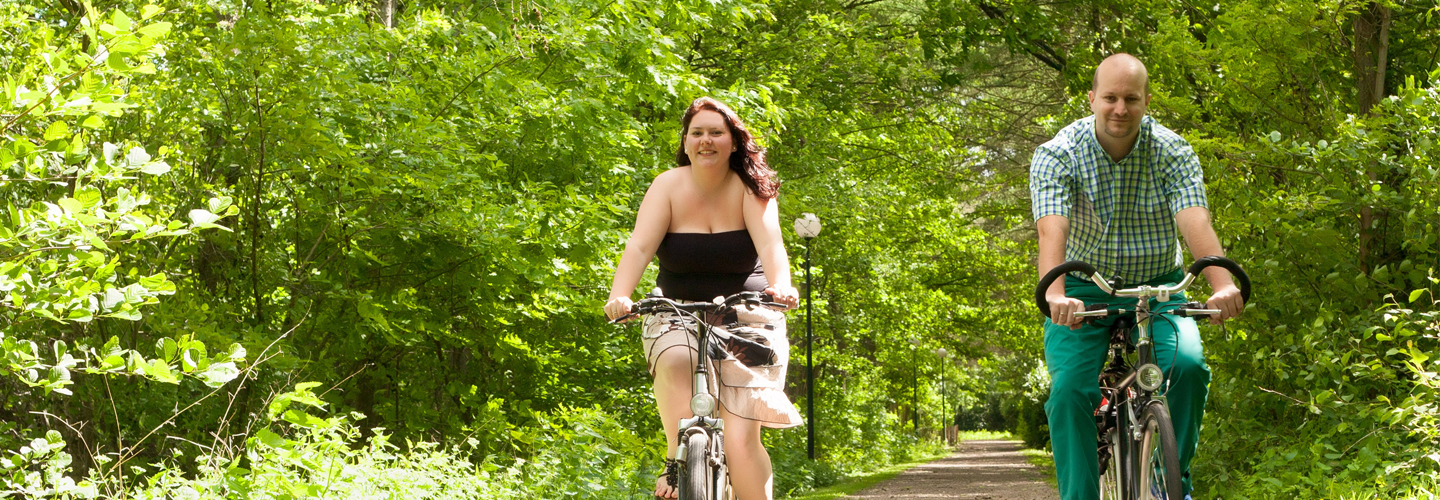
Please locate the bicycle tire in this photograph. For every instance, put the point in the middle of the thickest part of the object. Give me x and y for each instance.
(1159, 457)
(1112, 478)
(723, 489)
(696, 476)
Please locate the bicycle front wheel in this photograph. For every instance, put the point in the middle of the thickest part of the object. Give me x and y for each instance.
(1111, 477)
(1159, 457)
(696, 476)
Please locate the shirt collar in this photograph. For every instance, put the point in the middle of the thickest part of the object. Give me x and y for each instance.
(1140, 142)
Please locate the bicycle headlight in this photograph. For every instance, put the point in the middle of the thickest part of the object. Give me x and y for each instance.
(702, 404)
(1149, 377)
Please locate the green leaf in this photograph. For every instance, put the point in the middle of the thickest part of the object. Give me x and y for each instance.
(79, 315)
(137, 157)
(160, 371)
(1416, 293)
(187, 361)
(202, 218)
(167, 348)
(237, 352)
(219, 204)
(126, 312)
(156, 281)
(121, 21)
(155, 168)
(271, 439)
(149, 11)
(57, 130)
(154, 31)
(218, 374)
(71, 206)
(88, 197)
(118, 62)
(302, 419)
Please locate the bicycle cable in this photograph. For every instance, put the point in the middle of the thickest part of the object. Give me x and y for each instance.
(1174, 351)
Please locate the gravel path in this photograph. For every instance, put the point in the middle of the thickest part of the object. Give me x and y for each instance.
(978, 470)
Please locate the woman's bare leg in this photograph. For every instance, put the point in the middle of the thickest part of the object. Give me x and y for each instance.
(673, 371)
(750, 472)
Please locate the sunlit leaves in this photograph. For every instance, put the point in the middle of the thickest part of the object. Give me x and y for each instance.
(59, 260)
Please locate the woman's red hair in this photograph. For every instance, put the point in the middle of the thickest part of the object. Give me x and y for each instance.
(748, 160)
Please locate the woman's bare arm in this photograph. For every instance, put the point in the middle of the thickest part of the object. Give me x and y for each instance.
(651, 222)
(762, 219)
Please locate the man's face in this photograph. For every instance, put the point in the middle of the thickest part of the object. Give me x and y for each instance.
(1119, 102)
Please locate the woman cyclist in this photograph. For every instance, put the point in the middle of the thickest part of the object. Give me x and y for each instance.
(715, 227)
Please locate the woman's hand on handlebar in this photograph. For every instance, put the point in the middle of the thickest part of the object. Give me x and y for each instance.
(785, 294)
(1228, 300)
(618, 306)
(1063, 309)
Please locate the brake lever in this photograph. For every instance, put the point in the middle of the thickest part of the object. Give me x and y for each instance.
(1194, 310)
(624, 318)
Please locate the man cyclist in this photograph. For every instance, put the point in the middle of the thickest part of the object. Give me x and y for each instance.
(1113, 190)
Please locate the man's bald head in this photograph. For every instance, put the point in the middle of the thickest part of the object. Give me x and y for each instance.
(1119, 97)
(1121, 65)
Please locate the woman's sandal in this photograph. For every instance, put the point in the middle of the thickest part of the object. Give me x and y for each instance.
(671, 473)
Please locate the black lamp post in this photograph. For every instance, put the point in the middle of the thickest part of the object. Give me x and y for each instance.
(808, 226)
(944, 393)
(914, 387)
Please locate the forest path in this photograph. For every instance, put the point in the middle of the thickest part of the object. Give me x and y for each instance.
(977, 470)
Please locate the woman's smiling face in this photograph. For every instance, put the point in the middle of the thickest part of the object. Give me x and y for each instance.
(708, 141)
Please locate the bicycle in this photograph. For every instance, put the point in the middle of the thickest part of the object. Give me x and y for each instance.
(703, 474)
(1138, 455)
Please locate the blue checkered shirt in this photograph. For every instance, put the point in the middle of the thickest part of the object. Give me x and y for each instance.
(1122, 215)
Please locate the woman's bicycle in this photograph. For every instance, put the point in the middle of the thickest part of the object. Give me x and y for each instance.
(1138, 455)
(703, 474)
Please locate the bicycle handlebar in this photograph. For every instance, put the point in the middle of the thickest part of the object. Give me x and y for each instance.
(1144, 292)
(1242, 279)
(654, 304)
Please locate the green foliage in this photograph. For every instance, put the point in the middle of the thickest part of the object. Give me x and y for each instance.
(423, 215)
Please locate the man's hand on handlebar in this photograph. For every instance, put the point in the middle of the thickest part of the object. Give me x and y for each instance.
(785, 294)
(1063, 309)
(617, 307)
(1228, 300)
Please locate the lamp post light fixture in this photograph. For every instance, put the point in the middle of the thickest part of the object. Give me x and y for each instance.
(808, 227)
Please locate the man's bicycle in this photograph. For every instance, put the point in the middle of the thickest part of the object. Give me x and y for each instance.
(703, 474)
(1138, 455)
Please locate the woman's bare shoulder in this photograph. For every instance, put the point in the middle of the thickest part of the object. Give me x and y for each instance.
(670, 180)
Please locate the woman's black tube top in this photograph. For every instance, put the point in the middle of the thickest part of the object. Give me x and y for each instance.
(702, 266)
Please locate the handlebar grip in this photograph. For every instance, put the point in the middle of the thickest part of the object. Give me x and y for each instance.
(1050, 278)
(1229, 265)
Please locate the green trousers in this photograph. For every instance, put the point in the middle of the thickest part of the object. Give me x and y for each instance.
(1075, 358)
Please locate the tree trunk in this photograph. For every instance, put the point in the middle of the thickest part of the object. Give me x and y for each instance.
(386, 11)
(1372, 42)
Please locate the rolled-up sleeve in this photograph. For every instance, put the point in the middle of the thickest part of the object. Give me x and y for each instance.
(1049, 192)
(1187, 181)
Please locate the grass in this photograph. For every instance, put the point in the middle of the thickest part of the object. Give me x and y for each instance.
(987, 436)
(1044, 461)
